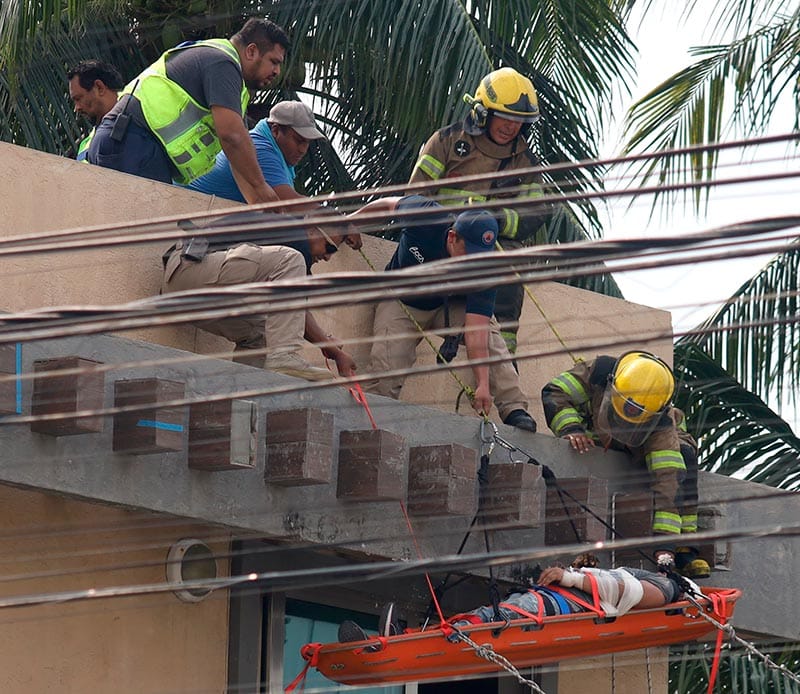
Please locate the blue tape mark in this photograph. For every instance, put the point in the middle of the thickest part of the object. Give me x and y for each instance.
(159, 425)
(18, 367)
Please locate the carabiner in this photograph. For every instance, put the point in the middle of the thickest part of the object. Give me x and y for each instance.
(488, 441)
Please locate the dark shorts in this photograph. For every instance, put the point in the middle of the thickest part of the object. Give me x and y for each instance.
(667, 586)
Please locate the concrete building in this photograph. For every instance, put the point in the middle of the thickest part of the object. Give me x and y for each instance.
(115, 449)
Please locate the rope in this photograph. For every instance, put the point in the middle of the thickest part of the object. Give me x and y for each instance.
(361, 399)
(542, 312)
(488, 653)
(550, 480)
(464, 387)
(749, 647)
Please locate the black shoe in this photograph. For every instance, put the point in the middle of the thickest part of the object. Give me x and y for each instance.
(350, 631)
(520, 419)
(388, 624)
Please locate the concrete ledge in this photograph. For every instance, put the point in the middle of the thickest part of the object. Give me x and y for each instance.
(154, 430)
(373, 466)
(67, 393)
(565, 516)
(442, 480)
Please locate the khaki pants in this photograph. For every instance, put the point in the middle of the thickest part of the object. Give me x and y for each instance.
(396, 348)
(281, 332)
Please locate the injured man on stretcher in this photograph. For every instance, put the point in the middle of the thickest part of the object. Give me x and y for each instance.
(618, 590)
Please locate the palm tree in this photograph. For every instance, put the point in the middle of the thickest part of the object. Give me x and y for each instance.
(740, 357)
(733, 87)
(382, 76)
(748, 350)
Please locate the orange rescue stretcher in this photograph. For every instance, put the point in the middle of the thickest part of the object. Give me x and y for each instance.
(419, 655)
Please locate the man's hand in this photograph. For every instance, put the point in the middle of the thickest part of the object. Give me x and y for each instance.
(482, 402)
(345, 364)
(552, 574)
(352, 238)
(238, 147)
(579, 442)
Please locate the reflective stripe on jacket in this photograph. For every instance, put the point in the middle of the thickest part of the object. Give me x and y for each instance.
(184, 127)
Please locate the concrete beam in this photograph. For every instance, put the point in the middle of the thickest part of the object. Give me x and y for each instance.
(86, 465)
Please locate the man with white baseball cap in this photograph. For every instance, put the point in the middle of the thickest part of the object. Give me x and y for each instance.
(281, 141)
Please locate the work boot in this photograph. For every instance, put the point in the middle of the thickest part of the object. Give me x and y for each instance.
(388, 624)
(690, 564)
(292, 364)
(520, 419)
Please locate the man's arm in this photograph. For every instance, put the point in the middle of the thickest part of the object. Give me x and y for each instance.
(476, 339)
(345, 364)
(564, 399)
(241, 153)
(432, 161)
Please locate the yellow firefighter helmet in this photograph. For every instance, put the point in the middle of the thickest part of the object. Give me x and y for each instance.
(642, 386)
(507, 93)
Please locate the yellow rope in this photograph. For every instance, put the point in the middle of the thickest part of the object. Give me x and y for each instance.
(547, 320)
(464, 387)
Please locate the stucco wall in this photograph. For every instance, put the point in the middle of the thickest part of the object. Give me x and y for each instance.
(149, 643)
(44, 193)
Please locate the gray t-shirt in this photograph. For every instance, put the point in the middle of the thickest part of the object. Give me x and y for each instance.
(208, 75)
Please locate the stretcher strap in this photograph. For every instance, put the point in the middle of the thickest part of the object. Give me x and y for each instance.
(536, 617)
(594, 606)
(720, 606)
(311, 654)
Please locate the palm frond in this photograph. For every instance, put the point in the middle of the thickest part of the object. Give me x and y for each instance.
(34, 95)
(733, 86)
(737, 431)
(754, 336)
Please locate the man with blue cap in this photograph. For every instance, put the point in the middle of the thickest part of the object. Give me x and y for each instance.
(426, 238)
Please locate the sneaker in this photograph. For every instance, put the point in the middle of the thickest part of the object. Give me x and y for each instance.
(690, 564)
(388, 624)
(292, 364)
(520, 419)
(350, 631)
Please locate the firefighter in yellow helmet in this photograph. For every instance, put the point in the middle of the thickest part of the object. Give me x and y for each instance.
(625, 404)
(492, 138)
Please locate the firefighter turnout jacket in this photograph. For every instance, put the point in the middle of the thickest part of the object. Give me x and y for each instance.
(453, 151)
(572, 403)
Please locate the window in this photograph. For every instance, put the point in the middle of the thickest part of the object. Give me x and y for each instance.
(307, 622)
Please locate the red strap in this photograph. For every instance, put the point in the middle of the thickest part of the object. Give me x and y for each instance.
(361, 399)
(536, 617)
(720, 607)
(583, 603)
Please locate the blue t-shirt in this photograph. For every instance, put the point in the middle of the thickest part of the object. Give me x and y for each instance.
(424, 241)
(220, 182)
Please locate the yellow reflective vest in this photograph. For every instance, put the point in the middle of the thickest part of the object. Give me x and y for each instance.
(183, 126)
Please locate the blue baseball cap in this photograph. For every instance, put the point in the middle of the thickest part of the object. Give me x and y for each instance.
(478, 229)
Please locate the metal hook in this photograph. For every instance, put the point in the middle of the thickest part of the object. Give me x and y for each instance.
(487, 441)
